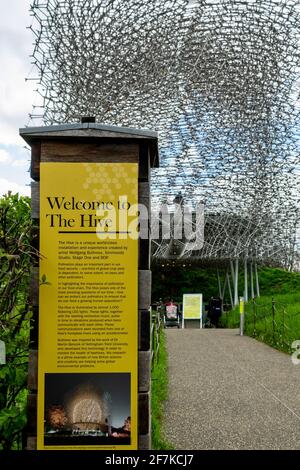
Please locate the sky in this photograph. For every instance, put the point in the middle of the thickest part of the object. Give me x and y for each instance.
(16, 95)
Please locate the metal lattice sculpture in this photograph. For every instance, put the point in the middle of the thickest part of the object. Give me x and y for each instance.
(217, 79)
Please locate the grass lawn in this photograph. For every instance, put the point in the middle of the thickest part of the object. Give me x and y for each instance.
(159, 393)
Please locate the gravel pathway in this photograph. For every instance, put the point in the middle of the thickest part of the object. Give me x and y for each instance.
(230, 392)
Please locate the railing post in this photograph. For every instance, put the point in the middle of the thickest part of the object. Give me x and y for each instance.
(283, 326)
(251, 280)
(155, 336)
(153, 345)
(273, 318)
(256, 280)
(242, 315)
(254, 317)
(158, 326)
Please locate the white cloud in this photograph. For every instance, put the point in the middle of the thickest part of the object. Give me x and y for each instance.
(6, 186)
(20, 163)
(4, 156)
(16, 95)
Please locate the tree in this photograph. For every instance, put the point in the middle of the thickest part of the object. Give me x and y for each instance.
(16, 256)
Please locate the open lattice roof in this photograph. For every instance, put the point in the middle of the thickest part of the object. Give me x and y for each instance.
(219, 81)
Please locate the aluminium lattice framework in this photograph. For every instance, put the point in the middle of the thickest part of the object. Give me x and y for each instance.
(219, 80)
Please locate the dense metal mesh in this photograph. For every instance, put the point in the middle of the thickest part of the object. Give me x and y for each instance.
(219, 81)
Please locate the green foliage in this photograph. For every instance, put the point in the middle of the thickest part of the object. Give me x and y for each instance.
(15, 313)
(174, 281)
(273, 320)
(159, 395)
(274, 281)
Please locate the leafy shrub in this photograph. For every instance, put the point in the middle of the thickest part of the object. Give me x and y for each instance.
(15, 312)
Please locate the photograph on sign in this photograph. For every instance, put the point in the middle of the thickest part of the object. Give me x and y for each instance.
(87, 409)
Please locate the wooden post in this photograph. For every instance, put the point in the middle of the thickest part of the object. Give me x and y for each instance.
(90, 142)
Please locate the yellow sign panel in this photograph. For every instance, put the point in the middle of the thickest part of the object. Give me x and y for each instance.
(192, 306)
(242, 305)
(88, 325)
